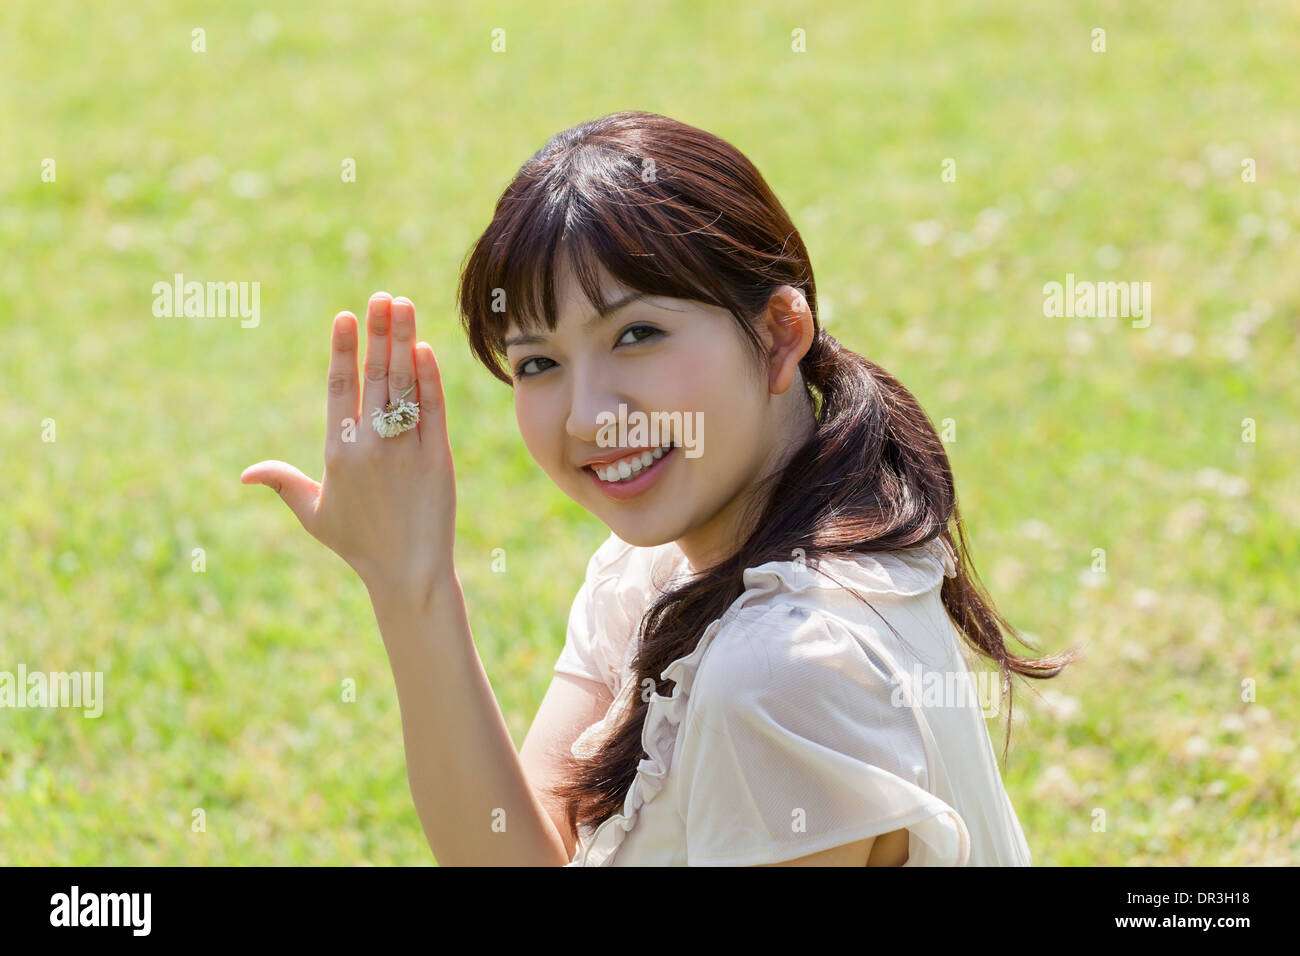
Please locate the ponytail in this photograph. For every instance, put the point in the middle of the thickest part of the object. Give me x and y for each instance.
(874, 411)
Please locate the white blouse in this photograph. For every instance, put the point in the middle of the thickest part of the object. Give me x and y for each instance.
(800, 722)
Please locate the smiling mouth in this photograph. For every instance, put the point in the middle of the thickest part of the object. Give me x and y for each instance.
(628, 468)
(609, 480)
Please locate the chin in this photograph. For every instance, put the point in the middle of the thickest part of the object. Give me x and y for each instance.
(642, 534)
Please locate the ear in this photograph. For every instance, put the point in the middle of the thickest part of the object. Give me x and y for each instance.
(787, 330)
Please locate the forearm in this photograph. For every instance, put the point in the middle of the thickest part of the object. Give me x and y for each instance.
(469, 787)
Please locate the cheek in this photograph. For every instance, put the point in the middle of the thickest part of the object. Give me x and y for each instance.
(694, 378)
(539, 431)
(729, 401)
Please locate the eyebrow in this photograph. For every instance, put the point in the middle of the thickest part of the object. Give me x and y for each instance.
(602, 313)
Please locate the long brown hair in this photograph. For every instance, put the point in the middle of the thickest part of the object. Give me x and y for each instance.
(671, 210)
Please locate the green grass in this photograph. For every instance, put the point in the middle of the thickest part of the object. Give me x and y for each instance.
(224, 687)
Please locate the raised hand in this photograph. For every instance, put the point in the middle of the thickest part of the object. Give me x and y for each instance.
(387, 506)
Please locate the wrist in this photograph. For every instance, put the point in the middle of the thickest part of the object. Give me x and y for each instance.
(417, 595)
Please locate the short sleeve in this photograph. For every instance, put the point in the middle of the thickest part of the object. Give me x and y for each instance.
(795, 742)
(584, 653)
(620, 582)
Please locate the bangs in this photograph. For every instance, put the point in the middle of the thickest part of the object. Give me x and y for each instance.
(592, 210)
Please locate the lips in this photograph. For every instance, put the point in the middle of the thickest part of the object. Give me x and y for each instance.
(628, 464)
(637, 483)
(618, 454)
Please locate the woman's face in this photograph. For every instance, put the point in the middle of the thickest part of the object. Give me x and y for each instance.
(653, 355)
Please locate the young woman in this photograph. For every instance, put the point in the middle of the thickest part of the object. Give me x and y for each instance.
(750, 669)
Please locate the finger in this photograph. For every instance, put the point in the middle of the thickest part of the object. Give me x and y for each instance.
(343, 391)
(374, 390)
(401, 357)
(433, 416)
(299, 492)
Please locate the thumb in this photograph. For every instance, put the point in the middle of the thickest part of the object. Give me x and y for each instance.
(298, 491)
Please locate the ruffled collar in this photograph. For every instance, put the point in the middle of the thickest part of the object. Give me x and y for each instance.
(905, 571)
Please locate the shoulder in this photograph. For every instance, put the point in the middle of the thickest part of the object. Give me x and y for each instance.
(616, 560)
(778, 655)
(803, 636)
(789, 710)
(621, 582)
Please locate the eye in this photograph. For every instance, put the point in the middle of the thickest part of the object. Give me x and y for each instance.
(649, 331)
(633, 328)
(519, 370)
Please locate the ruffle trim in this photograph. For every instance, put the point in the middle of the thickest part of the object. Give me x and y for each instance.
(658, 738)
(943, 830)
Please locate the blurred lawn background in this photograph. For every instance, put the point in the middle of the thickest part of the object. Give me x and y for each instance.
(224, 688)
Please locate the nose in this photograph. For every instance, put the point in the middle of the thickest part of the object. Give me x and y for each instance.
(593, 406)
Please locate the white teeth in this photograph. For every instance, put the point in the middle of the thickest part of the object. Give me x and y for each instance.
(628, 467)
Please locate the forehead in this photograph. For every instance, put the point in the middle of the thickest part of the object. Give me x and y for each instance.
(571, 300)
(569, 294)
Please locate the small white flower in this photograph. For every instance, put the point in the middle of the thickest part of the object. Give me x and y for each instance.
(396, 418)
